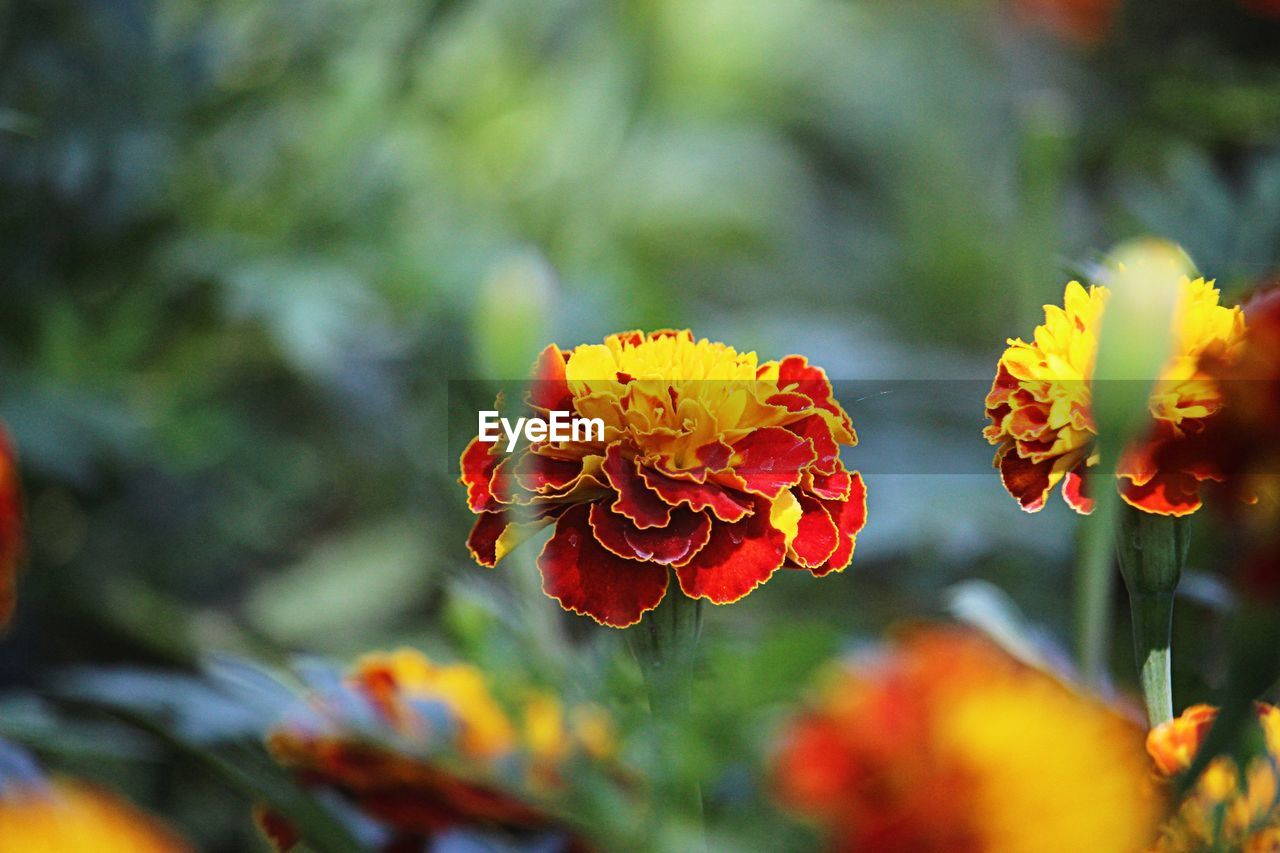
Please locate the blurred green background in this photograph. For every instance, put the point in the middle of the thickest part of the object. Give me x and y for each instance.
(244, 247)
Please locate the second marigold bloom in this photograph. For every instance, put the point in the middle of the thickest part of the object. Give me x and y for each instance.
(713, 464)
(1040, 405)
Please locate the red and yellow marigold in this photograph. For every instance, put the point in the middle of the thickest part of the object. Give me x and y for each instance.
(1040, 405)
(942, 741)
(10, 529)
(67, 816)
(423, 748)
(1225, 810)
(713, 464)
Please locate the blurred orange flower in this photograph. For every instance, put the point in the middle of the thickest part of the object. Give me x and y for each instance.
(65, 816)
(942, 741)
(10, 528)
(423, 748)
(719, 466)
(1224, 811)
(1040, 405)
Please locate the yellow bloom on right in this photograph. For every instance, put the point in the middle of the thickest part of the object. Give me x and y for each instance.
(1225, 810)
(1040, 405)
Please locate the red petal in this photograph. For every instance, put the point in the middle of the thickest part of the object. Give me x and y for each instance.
(817, 537)
(1173, 493)
(738, 558)
(483, 540)
(816, 429)
(540, 473)
(1075, 491)
(769, 460)
(698, 496)
(850, 516)
(675, 544)
(810, 381)
(587, 579)
(1026, 481)
(549, 390)
(11, 537)
(834, 487)
(635, 500)
(478, 462)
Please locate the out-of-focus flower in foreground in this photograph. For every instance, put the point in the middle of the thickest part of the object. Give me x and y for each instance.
(421, 748)
(942, 741)
(66, 816)
(1040, 405)
(1224, 811)
(712, 463)
(10, 528)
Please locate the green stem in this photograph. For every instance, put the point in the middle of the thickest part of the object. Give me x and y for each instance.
(1152, 551)
(1093, 591)
(664, 645)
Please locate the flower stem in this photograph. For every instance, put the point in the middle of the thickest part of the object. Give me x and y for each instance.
(1093, 591)
(1152, 550)
(664, 645)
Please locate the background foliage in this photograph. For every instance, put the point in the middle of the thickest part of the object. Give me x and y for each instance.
(243, 247)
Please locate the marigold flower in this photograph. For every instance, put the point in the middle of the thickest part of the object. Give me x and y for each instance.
(65, 816)
(714, 464)
(422, 748)
(1224, 811)
(1040, 413)
(943, 741)
(10, 529)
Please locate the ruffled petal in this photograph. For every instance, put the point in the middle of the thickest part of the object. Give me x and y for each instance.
(635, 500)
(495, 534)
(675, 544)
(478, 463)
(549, 390)
(586, 578)
(768, 461)
(817, 536)
(697, 496)
(849, 516)
(1027, 481)
(738, 558)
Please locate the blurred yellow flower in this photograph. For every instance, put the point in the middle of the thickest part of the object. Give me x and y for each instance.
(70, 817)
(943, 741)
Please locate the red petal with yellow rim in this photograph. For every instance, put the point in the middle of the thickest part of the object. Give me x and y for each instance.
(478, 462)
(635, 500)
(849, 516)
(1174, 493)
(1075, 491)
(697, 496)
(769, 460)
(738, 558)
(834, 487)
(818, 432)
(549, 390)
(540, 473)
(810, 381)
(817, 537)
(483, 540)
(675, 544)
(586, 578)
(1026, 481)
